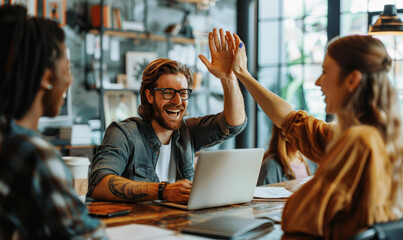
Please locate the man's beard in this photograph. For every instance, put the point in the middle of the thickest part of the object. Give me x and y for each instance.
(160, 112)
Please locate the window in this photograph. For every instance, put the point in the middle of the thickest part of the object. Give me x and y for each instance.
(292, 36)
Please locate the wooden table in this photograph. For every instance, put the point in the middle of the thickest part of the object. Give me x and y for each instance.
(151, 213)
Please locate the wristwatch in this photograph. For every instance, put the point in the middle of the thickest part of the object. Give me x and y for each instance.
(161, 188)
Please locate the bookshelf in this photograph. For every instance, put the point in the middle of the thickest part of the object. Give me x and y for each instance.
(201, 103)
(146, 36)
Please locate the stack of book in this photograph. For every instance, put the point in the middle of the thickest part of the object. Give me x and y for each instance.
(112, 17)
(78, 134)
(96, 16)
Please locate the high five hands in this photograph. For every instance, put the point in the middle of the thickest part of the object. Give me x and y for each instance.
(228, 55)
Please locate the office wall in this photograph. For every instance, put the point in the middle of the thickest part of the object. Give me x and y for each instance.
(85, 102)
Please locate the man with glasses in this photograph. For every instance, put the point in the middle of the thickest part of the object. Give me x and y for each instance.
(139, 156)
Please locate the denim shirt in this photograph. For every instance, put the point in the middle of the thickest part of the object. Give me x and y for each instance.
(131, 148)
(272, 172)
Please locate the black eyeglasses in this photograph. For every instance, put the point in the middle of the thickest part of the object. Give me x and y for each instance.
(169, 93)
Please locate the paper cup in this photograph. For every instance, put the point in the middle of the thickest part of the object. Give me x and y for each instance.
(79, 168)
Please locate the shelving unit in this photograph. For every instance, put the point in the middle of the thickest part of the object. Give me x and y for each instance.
(199, 95)
(146, 36)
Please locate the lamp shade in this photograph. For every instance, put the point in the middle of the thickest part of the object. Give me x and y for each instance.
(388, 23)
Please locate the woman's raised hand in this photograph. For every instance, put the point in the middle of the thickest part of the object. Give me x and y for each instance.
(239, 63)
(274, 106)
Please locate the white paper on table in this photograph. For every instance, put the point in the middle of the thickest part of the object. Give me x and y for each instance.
(272, 192)
(137, 232)
(182, 237)
(146, 232)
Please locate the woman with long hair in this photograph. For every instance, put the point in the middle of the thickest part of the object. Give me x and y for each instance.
(283, 162)
(359, 179)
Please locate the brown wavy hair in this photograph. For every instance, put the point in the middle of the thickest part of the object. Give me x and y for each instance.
(151, 74)
(374, 102)
(279, 150)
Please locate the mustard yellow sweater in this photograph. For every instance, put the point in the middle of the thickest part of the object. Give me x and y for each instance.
(351, 188)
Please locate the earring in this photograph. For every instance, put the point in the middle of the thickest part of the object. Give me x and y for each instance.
(50, 87)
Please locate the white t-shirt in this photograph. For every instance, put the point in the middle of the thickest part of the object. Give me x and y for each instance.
(166, 167)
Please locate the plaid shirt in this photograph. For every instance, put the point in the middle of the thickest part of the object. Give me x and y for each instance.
(37, 200)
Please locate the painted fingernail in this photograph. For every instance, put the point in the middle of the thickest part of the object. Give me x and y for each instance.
(240, 45)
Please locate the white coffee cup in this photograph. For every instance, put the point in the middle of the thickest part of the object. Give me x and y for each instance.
(79, 168)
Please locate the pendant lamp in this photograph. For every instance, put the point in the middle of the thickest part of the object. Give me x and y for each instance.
(388, 23)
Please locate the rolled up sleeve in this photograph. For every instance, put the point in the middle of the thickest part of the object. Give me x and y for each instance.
(308, 134)
(111, 157)
(212, 129)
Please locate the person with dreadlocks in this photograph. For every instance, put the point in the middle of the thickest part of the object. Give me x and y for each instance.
(37, 199)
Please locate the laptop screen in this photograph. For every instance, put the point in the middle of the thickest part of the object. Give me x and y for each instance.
(225, 177)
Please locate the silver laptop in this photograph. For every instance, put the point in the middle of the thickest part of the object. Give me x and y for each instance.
(223, 177)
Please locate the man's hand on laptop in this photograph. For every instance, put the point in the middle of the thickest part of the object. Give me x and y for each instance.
(178, 191)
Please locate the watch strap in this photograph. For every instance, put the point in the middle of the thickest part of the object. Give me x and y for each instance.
(161, 188)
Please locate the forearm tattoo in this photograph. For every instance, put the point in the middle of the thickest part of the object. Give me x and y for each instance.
(123, 188)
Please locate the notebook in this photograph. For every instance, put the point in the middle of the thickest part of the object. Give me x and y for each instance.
(231, 227)
(223, 177)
